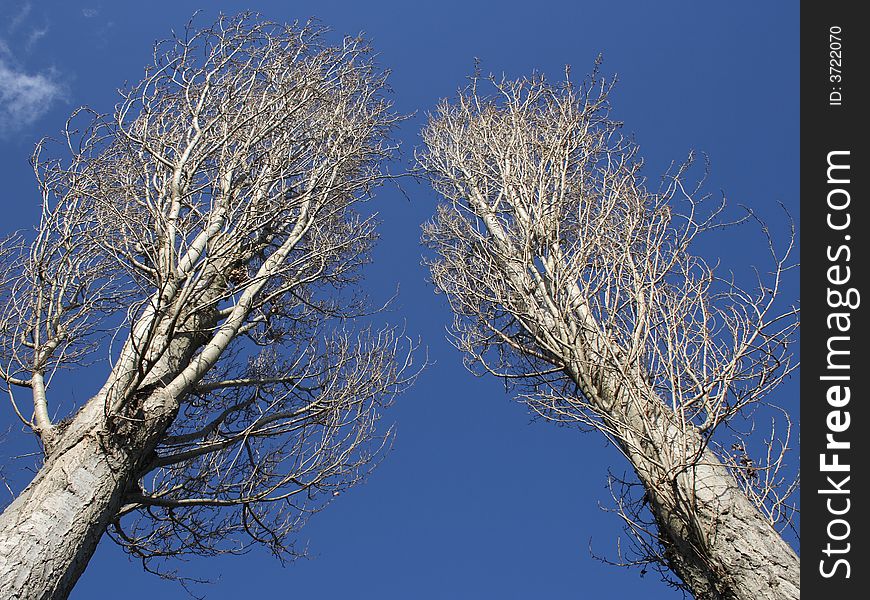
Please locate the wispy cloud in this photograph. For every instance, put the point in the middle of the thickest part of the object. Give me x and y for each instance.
(24, 97)
(18, 18)
(90, 13)
(34, 37)
(26, 92)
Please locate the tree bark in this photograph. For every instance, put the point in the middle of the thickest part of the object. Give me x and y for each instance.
(50, 531)
(714, 537)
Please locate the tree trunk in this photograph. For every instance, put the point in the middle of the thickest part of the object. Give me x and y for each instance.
(50, 531)
(714, 537)
(726, 549)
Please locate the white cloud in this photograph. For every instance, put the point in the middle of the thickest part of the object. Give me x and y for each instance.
(34, 37)
(24, 97)
(19, 18)
(90, 13)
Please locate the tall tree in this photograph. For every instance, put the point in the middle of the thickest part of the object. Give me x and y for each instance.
(203, 237)
(569, 278)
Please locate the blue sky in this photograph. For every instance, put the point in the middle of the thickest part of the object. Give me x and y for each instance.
(476, 500)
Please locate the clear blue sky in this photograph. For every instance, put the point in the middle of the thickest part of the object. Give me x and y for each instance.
(475, 500)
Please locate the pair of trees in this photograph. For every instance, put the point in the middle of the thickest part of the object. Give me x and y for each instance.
(204, 237)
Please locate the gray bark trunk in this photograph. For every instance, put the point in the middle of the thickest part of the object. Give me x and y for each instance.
(714, 537)
(50, 531)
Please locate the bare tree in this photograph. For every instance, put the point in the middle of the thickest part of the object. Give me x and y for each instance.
(204, 238)
(570, 279)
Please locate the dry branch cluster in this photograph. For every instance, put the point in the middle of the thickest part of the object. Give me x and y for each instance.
(205, 233)
(205, 238)
(572, 280)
